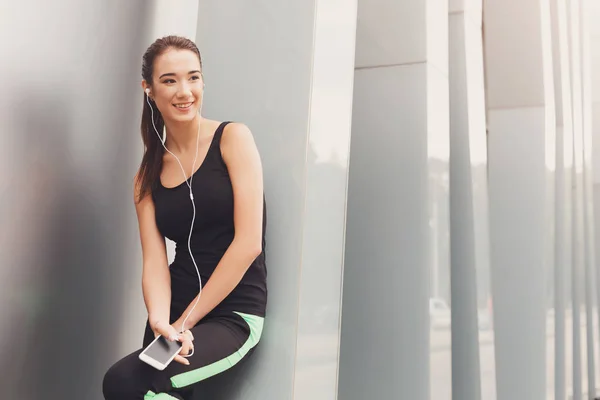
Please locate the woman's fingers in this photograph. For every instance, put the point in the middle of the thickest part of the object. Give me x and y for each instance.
(186, 335)
(166, 330)
(186, 346)
(186, 349)
(181, 360)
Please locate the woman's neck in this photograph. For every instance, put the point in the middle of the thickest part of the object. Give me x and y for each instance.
(182, 137)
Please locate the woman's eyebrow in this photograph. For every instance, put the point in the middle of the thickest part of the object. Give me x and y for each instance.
(173, 73)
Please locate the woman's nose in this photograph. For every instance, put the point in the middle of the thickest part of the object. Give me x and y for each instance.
(184, 90)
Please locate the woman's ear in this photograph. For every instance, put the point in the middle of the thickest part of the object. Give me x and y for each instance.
(146, 88)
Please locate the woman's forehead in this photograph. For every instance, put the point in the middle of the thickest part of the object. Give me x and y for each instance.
(177, 61)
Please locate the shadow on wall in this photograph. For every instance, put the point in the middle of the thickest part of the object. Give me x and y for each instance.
(56, 257)
(64, 245)
(36, 179)
(66, 250)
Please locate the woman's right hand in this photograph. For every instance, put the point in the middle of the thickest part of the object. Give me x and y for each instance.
(171, 334)
(166, 330)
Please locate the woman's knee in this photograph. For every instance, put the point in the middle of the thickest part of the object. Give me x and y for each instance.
(119, 383)
(111, 384)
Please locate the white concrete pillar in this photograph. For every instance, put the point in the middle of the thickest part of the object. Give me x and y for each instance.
(397, 225)
(562, 352)
(592, 12)
(588, 207)
(580, 353)
(472, 365)
(286, 70)
(521, 122)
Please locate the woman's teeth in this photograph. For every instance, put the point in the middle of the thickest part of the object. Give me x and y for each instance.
(186, 105)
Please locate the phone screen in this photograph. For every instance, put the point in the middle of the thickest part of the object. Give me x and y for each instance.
(162, 350)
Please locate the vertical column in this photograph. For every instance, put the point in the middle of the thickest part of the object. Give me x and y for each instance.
(580, 375)
(521, 124)
(468, 207)
(286, 70)
(589, 252)
(593, 13)
(562, 206)
(398, 178)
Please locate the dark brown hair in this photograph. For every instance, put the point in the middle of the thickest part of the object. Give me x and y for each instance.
(151, 165)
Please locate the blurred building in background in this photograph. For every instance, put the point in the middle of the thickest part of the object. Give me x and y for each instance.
(431, 174)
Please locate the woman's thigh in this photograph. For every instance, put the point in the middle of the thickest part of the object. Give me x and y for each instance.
(219, 343)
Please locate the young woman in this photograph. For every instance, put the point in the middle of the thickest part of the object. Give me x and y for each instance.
(221, 202)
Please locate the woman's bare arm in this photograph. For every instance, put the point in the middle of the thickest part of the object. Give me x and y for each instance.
(245, 170)
(156, 278)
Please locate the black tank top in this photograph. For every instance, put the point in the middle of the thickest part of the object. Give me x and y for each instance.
(212, 234)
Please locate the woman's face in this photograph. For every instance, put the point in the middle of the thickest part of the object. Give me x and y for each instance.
(177, 86)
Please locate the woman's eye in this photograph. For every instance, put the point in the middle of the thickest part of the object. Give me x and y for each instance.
(169, 81)
(195, 77)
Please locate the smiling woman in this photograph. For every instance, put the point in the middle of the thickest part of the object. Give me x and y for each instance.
(199, 184)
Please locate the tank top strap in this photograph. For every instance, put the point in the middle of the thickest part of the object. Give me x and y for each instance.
(214, 152)
(219, 133)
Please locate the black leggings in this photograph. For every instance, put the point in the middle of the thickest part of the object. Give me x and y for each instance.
(219, 343)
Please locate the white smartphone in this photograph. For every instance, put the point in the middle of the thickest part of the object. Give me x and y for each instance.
(160, 352)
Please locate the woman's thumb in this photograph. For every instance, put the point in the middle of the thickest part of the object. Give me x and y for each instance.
(171, 334)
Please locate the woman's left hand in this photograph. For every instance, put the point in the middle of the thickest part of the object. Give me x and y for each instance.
(187, 346)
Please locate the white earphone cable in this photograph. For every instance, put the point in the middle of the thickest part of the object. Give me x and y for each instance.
(189, 184)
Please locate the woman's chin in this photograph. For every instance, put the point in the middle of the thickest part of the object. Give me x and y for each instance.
(182, 118)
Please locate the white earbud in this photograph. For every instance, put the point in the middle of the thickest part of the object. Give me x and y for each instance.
(147, 91)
